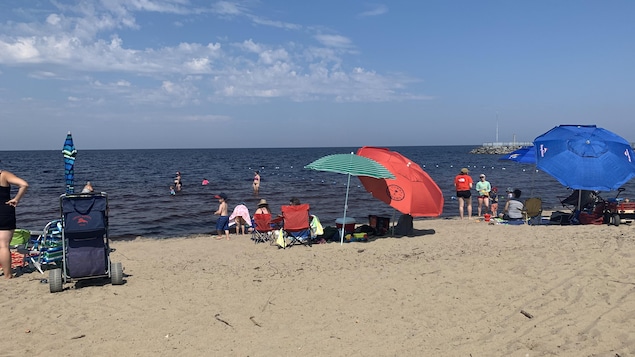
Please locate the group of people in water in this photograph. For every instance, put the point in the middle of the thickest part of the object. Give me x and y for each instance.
(487, 198)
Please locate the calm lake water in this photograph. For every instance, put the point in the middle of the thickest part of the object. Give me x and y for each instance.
(137, 183)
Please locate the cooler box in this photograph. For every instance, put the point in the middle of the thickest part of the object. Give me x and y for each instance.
(348, 223)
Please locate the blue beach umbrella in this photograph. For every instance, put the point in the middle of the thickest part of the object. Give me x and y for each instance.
(70, 153)
(585, 157)
(524, 155)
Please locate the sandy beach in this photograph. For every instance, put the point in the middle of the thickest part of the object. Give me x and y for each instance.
(469, 289)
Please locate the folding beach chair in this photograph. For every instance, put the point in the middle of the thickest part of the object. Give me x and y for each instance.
(580, 200)
(45, 251)
(262, 228)
(532, 211)
(297, 224)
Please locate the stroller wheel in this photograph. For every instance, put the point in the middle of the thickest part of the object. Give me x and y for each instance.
(55, 280)
(116, 274)
(615, 219)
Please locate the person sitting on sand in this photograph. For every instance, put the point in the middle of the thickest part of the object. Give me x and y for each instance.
(513, 210)
(222, 224)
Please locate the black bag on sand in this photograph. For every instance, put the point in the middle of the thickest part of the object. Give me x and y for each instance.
(365, 228)
(329, 234)
(561, 218)
(404, 226)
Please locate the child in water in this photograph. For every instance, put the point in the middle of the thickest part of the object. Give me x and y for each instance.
(172, 190)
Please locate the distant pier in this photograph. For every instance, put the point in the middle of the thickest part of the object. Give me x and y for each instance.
(500, 148)
(505, 148)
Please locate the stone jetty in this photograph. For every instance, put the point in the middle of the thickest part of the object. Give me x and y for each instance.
(495, 150)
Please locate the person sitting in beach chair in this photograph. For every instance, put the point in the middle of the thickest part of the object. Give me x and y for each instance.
(263, 228)
(297, 223)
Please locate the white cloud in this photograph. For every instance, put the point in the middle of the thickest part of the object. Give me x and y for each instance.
(89, 39)
(205, 118)
(53, 19)
(376, 10)
(228, 8)
(198, 65)
(21, 50)
(334, 41)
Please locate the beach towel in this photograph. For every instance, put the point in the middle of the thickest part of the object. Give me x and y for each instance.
(240, 211)
(316, 227)
(280, 241)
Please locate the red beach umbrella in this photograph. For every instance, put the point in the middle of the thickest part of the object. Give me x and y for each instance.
(412, 191)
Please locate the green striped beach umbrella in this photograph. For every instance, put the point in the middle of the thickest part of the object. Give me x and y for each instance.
(351, 165)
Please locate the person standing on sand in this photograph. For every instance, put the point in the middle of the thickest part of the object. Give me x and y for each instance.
(256, 183)
(493, 198)
(463, 183)
(483, 187)
(7, 216)
(222, 224)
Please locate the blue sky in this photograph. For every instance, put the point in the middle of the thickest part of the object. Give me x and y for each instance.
(210, 74)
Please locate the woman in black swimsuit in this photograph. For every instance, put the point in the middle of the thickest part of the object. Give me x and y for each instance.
(7, 216)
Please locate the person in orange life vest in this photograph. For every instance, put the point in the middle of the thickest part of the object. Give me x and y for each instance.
(463, 183)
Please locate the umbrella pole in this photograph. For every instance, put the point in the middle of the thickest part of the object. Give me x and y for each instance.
(392, 223)
(348, 184)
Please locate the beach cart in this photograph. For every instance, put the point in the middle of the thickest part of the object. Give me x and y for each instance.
(617, 208)
(85, 242)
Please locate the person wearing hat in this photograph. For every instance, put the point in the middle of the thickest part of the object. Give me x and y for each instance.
(483, 188)
(222, 223)
(263, 207)
(463, 183)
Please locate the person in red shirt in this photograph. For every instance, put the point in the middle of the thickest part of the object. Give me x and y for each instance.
(463, 183)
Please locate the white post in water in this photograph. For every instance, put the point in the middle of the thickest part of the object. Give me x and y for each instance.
(497, 127)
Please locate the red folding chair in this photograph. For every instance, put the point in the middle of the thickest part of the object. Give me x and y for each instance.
(297, 224)
(262, 228)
